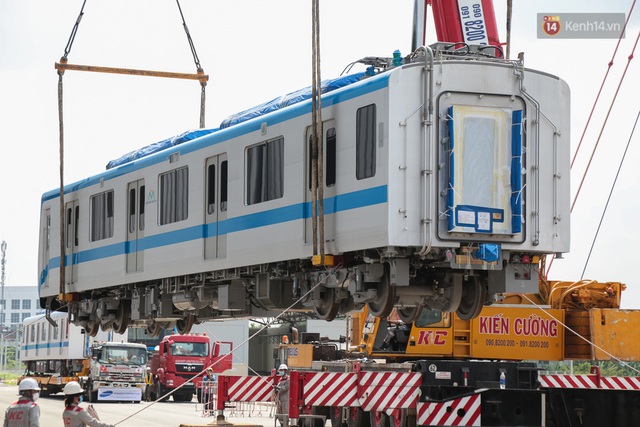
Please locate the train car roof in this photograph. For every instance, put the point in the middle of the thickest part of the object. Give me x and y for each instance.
(248, 125)
(55, 315)
(234, 119)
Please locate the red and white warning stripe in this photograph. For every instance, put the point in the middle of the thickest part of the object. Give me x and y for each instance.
(568, 381)
(330, 389)
(620, 383)
(589, 381)
(250, 389)
(464, 411)
(382, 391)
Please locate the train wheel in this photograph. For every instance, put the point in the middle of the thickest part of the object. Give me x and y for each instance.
(473, 296)
(378, 419)
(93, 326)
(326, 305)
(184, 325)
(409, 314)
(123, 316)
(154, 329)
(385, 298)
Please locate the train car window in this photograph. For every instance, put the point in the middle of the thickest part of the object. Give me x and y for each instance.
(48, 232)
(265, 171)
(102, 221)
(310, 168)
(330, 158)
(174, 196)
(55, 332)
(33, 332)
(366, 142)
(211, 189)
(68, 231)
(224, 174)
(141, 209)
(75, 228)
(132, 210)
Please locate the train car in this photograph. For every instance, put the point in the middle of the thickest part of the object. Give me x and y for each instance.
(55, 355)
(42, 341)
(445, 179)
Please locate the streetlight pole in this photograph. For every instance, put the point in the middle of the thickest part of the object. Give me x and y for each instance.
(3, 356)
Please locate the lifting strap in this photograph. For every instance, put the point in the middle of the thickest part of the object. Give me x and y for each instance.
(317, 175)
(64, 65)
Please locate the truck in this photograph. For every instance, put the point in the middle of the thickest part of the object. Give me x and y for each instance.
(56, 352)
(178, 363)
(441, 370)
(420, 366)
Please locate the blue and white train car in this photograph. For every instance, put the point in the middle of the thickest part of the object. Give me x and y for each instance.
(445, 180)
(43, 342)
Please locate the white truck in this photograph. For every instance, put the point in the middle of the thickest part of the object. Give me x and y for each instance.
(107, 366)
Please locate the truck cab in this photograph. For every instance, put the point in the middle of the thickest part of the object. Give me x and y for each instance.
(116, 372)
(179, 359)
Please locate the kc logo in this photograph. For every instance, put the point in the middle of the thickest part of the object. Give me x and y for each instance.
(432, 337)
(15, 416)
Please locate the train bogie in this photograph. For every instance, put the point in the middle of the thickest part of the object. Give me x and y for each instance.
(443, 183)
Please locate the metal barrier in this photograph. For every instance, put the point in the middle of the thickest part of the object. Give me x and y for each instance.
(207, 403)
(244, 397)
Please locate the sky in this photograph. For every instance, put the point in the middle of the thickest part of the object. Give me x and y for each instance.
(253, 51)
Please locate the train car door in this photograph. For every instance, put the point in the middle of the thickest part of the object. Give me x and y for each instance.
(216, 196)
(135, 225)
(72, 214)
(329, 144)
(37, 339)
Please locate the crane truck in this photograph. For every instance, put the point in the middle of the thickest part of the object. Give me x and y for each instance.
(441, 370)
(434, 369)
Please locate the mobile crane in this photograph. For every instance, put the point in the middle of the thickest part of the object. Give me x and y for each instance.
(447, 371)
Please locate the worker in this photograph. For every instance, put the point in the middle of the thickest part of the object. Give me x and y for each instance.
(208, 390)
(75, 416)
(391, 339)
(148, 380)
(25, 412)
(282, 394)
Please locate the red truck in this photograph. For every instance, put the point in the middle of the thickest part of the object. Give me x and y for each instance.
(179, 359)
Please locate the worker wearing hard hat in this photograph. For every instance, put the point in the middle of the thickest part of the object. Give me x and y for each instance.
(75, 416)
(282, 393)
(25, 412)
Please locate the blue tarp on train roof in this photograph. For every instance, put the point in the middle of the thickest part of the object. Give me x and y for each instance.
(288, 99)
(159, 146)
(243, 116)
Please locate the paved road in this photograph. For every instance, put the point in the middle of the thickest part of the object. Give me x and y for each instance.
(169, 414)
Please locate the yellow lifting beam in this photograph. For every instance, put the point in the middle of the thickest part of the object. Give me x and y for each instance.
(62, 66)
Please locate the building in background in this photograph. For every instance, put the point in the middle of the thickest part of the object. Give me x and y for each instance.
(19, 303)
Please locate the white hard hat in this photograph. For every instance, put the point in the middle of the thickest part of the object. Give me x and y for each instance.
(72, 388)
(28, 384)
(283, 367)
